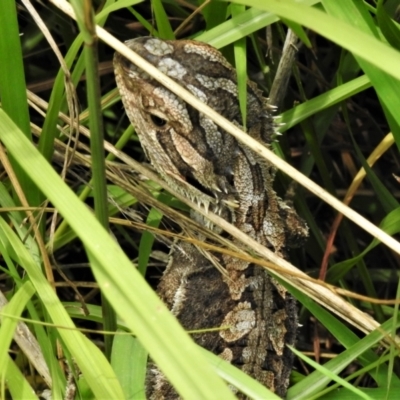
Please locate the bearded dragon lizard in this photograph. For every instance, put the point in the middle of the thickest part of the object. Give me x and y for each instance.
(206, 164)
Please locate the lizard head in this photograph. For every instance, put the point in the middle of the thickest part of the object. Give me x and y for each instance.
(188, 149)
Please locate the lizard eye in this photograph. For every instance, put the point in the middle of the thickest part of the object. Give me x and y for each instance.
(160, 122)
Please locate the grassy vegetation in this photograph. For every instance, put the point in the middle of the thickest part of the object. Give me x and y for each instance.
(65, 279)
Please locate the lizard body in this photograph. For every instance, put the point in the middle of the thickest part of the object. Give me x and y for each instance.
(206, 164)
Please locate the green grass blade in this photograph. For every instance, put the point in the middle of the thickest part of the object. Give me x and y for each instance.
(343, 33)
(13, 87)
(385, 83)
(163, 25)
(389, 224)
(8, 325)
(236, 377)
(90, 360)
(129, 360)
(390, 28)
(240, 52)
(146, 242)
(244, 24)
(334, 96)
(345, 337)
(317, 380)
(333, 376)
(87, 28)
(17, 384)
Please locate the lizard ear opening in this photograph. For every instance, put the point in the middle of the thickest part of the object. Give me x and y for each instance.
(157, 121)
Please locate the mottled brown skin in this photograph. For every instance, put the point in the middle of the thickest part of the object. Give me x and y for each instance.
(203, 162)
